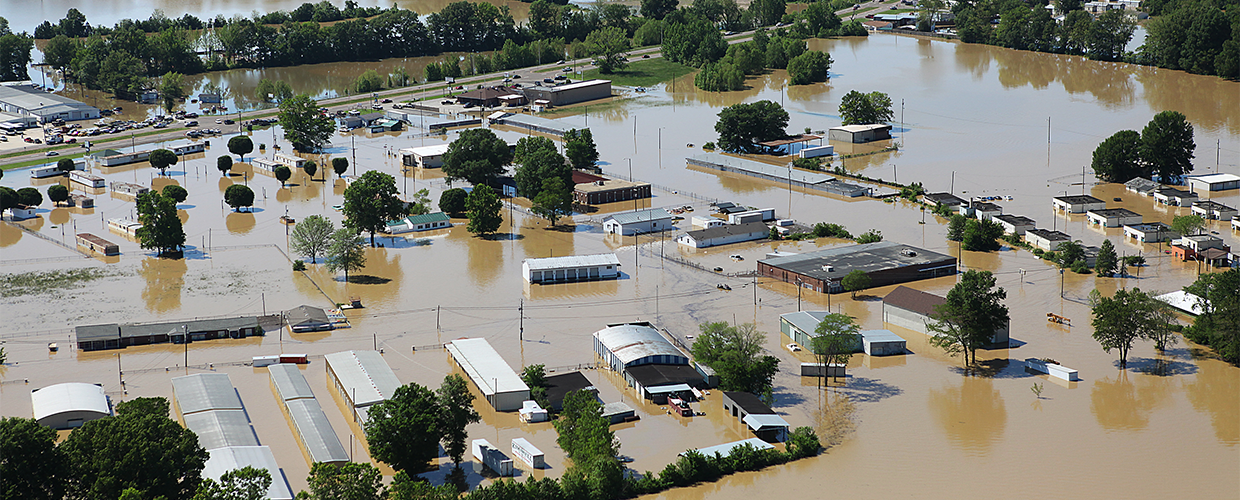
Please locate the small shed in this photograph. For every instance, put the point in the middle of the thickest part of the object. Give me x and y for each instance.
(1113, 217)
(1077, 204)
(706, 222)
(69, 405)
(305, 318)
(1015, 224)
(760, 418)
(860, 133)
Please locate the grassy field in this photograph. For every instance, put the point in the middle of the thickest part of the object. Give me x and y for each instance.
(643, 72)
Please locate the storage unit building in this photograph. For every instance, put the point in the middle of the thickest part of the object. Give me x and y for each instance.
(1015, 224)
(315, 433)
(1213, 210)
(362, 378)
(425, 156)
(1175, 197)
(725, 234)
(571, 268)
(912, 309)
(231, 458)
(1214, 182)
(220, 428)
(497, 382)
(1046, 239)
(204, 392)
(725, 449)
(288, 382)
(1077, 204)
(608, 191)
(524, 450)
(1113, 217)
(942, 199)
(885, 262)
(1153, 232)
(760, 418)
(882, 343)
(97, 244)
(69, 405)
(860, 133)
(638, 222)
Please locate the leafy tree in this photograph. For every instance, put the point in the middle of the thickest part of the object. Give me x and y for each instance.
(452, 201)
(177, 193)
(971, 315)
(162, 159)
(272, 90)
(733, 352)
(1218, 325)
(982, 235)
(809, 67)
(580, 149)
(139, 448)
(161, 228)
(871, 236)
(419, 203)
(224, 164)
(583, 432)
(58, 193)
(283, 174)
(825, 230)
(554, 200)
(722, 76)
(803, 442)
(304, 125)
(862, 109)
(404, 431)
(528, 145)
(535, 376)
(345, 252)
(656, 9)
(239, 195)
(59, 52)
(768, 12)
(312, 237)
(694, 43)
(609, 46)
(351, 481)
(742, 126)
(1167, 145)
(65, 165)
(1106, 261)
(1128, 315)
(537, 167)
(483, 207)
(837, 336)
(405, 487)
(370, 202)
(240, 145)
(456, 411)
(170, 90)
(955, 227)
(369, 81)
(1118, 158)
(856, 280)
(1069, 253)
(246, 483)
(340, 166)
(29, 196)
(477, 156)
(31, 466)
(8, 198)
(1188, 225)
(310, 167)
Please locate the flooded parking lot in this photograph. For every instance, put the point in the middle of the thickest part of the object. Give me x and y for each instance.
(905, 426)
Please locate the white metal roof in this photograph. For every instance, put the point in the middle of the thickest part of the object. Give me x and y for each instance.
(432, 150)
(862, 128)
(205, 391)
(572, 261)
(881, 336)
(806, 321)
(587, 83)
(726, 448)
(649, 214)
(365, 376)
(616, 408)
(68, 397)
(485, 366)
(316, 432)
(259, 457)
(220, 428)
(1215, 178)
(633, 342)
(761, 169)
(1183, 301)
(757, 422)
(289, 382)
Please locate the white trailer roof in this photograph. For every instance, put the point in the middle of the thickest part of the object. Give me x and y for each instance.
(485, 367)
(220, 428)
(316, 433)
(432, 150)
(573, 261)
(289, 382)
(68, 397)
(259, 457)
(205, 391)
(365, 376)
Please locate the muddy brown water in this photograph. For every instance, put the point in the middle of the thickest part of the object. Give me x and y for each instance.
(904, 426)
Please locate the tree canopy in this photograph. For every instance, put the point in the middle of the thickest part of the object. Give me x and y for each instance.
(1188, 225)
(742, 126)
(371, 202)
(554, 200)
(31, 466)
(304, 125)
(351, 481)
(240, 145)
(170, 90)
(733, 351)
(403, 431)
(58, 193)
(856, 280)
(224, 163)
(1167, 145)
(161, 159)
(863, 109)
(1128, 315)
(837, 336)
(580, 149)
(609, 46)
(456, 412)
(1118, 158)
(239, 195)
(177, 193)
(1218, 325)
(312, 237)
(283, 174)
(340, 166)
(536, 167)
(452, 201)
(477, 156)
(246, 483)
(971, 315)
(483, 207)
(345, 252)
(161, 228)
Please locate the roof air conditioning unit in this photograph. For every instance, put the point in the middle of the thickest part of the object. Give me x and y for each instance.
(828, 268)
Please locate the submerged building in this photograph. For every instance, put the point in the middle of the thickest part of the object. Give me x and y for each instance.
(884, 262)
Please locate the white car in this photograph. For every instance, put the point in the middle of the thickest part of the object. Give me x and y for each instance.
(794, 347)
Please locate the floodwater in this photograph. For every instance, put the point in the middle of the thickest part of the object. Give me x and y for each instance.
(906, 426)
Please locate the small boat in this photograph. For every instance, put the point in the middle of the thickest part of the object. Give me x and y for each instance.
(52, 347)
(287, 219)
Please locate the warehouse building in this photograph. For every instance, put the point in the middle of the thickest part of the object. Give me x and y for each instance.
(860, 133)
(362, 378)
(558, 387)
(314, 433)
(220, 428)
(25, 100)
(626, 345)
(497, 382)
(1213, 182)
(572, 93)
(1213, 210)
(69, 405)
(1046, 239)
(1175, 197)
(802, 328)
(589, 189)
(1077, 204)
(1113, 217)
(637, 222)
(1015, 224)
(231, 458)
(204, 392)
(760, 418)
(885, 262)
(724, 235)
(912, 309)
(571, 268)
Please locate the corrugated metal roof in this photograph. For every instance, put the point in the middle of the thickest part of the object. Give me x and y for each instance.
(570, 261)
(616, 408)
(650, 214)
(633, 342)
(757, 422)
(881, 336)
(316, 432)
(220, 428)
(432, 150)
(205, 391)
(728, 230)
(87, 333)
(806, 321)
(289, 382)
(868, 257)
(68, 397)
(726, 448)
(428, 218)
(485, 366)
(39, 102)
(911, 299)
(365, 376)
(259, 457)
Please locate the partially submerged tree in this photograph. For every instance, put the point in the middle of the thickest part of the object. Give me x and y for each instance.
(403, 431)
(837, 337)
(304, 125)
(240, 145)
(452, 201)
(734, 352)
(971, 315)
(239, 195)
(484, 207)
(1118, 158)
(555, 200)
(57, 193)
(371, 202)
(340, 166)
(863, 109)
(177, 193)
(742, 126)
(856, 280)
(170, 90)
(161, 228)
(312, 237)
(579, 148)
(161, 159)
(310, 167)
(1188, 225)
(224, 163)
(345, 253)
(1167, 145)
(1129, 315)
(283, 174)
(535, 376)
(477, 156)
(1107, 260)
(456, 412)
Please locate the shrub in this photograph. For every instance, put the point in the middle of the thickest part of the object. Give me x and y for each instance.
(825, 229)
(710, 146)
(871, 236)
(299, 265)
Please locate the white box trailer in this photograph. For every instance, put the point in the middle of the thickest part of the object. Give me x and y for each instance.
(762, 215)
(523, 449)
(817, 151)
(486, 454)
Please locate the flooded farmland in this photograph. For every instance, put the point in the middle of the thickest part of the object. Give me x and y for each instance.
(905, 426)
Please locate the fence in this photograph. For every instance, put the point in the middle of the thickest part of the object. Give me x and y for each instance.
(46, 237)
(677, 192)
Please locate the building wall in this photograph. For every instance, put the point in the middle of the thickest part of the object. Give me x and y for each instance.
(639, 227)
(611, 195)
(724, 240)
(905, 318)
(572, 274)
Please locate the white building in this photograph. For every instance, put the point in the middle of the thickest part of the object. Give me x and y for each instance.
(497, 382)
(362, 378)
(69, 405)
(1113, 217)
(706, 222)
(25, 100)
(1150, 233)
(425, 156)
(22, 212)
(981, 210)
(231, 458)
(1046, 239)
(762, 215)
(87, 179)
(418, 223)
(289, 161)
(1015, 224)
(524, 450)
(1214, 182)
(1175, 197)
(1078, 204)
(1213, 210)
(571, 268)
(638, 222)
(264, 164)
(725, 234)
(1142, 186)
(127, 227)
(490, 456)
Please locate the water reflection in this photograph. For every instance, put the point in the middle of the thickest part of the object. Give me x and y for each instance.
(239, 222)
(1215, 391)
(58, 216)
(9, 235)
(972, 415)
(1119, 404)
(165, 278)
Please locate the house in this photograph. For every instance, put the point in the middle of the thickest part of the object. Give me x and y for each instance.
(1015, 224)
(369, 119)
(1175, 197)
(914, 309)
(1213, 210)
(69, 405)
(1153, 232)
(305, 318)
(1142, 186)
(571, 268)
(22, 212)
(760, 418)
(942, 200)
(860, 133)
(1045, 239)
(1113, 217)
(1193, 247)
(97, 244)
(1077, 204)
(762, 215)
(416, 223)
(980, 210)
(1213, 182)
(572, 93)
(425, 156)
(884, 262)
(497, 382)
(638, 222)
(725, 234)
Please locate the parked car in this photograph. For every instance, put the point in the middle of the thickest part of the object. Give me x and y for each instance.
(53, 153)
(191, 123)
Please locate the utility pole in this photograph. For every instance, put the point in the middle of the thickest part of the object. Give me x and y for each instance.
(521, 321)
(953, 188)
(353, 147)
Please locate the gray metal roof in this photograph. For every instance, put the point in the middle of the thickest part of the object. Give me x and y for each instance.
(727, 230)
(531, 121)
(1078, 199)
(869, 257)
(205, 391)
(289, 381)
(88, 333)
(633, 342)
(220, 428)
(194, 326)
(763, 169)
(68, 397)
(231, 458)
(1142, 185)
(758, 422)
(306, 314)
(571, 261)
(365, 376)
(1016, 220)
(806, 321)
(646, 215)
(1050, 235)
(943, 198)
(39, 102)
(316, 433)
(616, 408)
(881, 336)
(1114, 212)
(485, 366)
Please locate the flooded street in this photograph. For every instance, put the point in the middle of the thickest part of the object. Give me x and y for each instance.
(906, 426)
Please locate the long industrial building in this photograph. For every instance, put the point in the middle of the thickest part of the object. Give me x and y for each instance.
(884, 262)
(315, 434)
(204, 392)
(25, 100)
(571, 268)
(497, 382)
(914, 309)
(648, 362)
(231, 458)
(362, 378)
